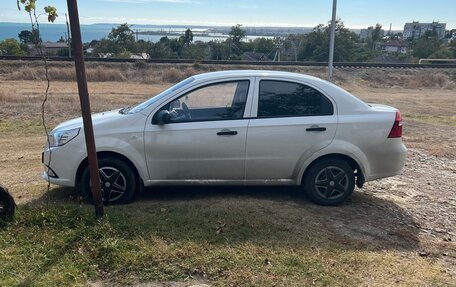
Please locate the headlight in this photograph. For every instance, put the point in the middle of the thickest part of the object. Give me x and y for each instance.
(59, 138)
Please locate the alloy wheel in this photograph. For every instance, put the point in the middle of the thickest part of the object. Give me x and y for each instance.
(331, 182)
(113, 183)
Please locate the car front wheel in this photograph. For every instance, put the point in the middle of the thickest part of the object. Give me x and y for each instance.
(117, 179)
(329, 182)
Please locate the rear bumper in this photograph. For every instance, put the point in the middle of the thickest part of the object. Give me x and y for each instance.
(387, 160)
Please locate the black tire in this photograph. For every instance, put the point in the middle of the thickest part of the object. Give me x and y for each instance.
(118, 181)
(330, 181)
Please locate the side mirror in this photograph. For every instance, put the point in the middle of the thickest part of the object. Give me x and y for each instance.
(163, 117)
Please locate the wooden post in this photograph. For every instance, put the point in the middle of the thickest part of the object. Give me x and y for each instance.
(85, 106)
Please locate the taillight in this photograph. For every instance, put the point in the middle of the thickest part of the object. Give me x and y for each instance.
(396, 131)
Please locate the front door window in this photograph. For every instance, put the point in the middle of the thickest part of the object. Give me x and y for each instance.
(221, 101)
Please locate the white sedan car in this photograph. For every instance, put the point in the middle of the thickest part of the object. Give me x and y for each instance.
(235, 128)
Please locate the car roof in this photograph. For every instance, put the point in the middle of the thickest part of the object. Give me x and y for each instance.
(253, 73)
(345, 100)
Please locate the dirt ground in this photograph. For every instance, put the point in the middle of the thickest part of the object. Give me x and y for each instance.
(414, 212)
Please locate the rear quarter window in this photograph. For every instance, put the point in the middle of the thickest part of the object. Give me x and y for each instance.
(289, 99)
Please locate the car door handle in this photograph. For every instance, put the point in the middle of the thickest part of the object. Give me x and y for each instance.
(316, 129)
(227, 133)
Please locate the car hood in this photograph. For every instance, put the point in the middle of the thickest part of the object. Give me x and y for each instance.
(96, 120)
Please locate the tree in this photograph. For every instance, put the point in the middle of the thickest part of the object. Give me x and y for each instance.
(263, 45)
(219, 50)
(295, 42)
(234, 43)
(176, 45)
(237, 34)
(316, 44)
(123, 38)
(195, 51)
(443, 53)
(105, 46)
(171, 47)
(142, 46)
(376, 36)
(162, 50)
(377, 33)
(120, 41)
(11, 47)
(361, 54)
(25, 37)
(453, 48)
(188, 37)
(426, 45)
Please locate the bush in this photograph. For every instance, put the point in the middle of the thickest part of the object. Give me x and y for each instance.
(11, 47)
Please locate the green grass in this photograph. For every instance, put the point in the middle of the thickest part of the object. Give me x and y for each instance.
(68, 246)
(431, 119)
(11, 127)
(263, 243)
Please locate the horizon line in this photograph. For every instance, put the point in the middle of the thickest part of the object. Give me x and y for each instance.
(212, 25)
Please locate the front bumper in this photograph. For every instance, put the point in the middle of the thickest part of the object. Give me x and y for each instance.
(60, 165)
(57, 181)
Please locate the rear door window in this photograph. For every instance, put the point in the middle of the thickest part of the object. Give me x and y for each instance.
(289, 99)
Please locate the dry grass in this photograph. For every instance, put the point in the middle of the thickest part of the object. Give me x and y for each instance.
(101, 74)
(172, 75)
(170, 234)
(410, 79)
(21, 100)
(6, 97)
(142, 72)
(428, 115)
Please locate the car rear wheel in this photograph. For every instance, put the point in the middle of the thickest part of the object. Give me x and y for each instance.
(117, 179)
(329, 182)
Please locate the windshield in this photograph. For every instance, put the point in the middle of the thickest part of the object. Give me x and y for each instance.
(142, 106)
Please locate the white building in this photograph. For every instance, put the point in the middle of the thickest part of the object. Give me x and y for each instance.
(416, 29)
(393, 47)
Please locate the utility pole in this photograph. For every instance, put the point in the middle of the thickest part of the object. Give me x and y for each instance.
(278, 47)
(69, 36)
(331, 41)
(295, 51)
(85, 106)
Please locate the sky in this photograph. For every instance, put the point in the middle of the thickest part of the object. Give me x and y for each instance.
(355, 14)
